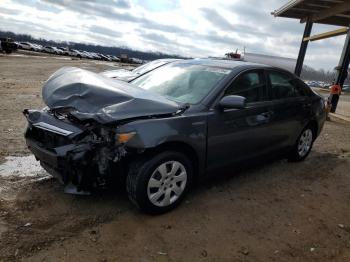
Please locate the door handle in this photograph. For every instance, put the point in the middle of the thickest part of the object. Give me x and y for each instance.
(263, 118)
(267, 114)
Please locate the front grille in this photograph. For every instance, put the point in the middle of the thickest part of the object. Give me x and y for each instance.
(47, 139)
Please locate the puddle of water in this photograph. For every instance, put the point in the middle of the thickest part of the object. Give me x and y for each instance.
(22, 166)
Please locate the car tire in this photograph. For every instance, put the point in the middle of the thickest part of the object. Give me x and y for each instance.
(303, 145)
(157, 184)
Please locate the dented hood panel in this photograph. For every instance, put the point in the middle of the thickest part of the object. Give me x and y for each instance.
(93, 96)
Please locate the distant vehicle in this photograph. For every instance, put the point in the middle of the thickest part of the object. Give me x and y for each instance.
(110, 57)
(346, 89)
(104, 57)
(65, 51)
(135, 60)
(314, 84)
(87, 54)
(57, 51)
(7, 45)
(49, 49)
(75, 53)
(129, 75)
(37, 47)
(95, 55)
(28, 46)
(52, 50)
(115, 58)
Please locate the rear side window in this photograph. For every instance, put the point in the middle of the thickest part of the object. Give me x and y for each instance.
(303, 88)
(250, 85)
(284, 86)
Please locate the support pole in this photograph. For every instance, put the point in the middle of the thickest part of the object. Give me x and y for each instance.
(344, 62)
(342, 72)
(303, 48)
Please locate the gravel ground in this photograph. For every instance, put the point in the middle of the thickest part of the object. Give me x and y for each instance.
(272, 211)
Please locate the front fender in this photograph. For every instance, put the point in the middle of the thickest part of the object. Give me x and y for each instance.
(151, 133)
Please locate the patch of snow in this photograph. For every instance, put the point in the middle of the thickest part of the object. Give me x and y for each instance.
(22, 166)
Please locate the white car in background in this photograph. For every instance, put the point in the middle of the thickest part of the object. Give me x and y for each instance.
(78, 53)
(58, 51)
(87, 54)
(52, 50)
(28, 46)
(38, 47)
(95, 55)
(49, 49)
(64, 50)
(75, 53)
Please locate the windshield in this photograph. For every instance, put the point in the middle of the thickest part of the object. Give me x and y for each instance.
(185, 83)
(148, 67)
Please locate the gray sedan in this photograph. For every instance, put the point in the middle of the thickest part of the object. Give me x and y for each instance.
(169, 126)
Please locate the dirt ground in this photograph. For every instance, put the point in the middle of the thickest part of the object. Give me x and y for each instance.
(273, 211)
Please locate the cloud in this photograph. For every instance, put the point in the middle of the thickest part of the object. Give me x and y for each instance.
(216, 19)
(109, 9)
(122, 4)
(155, 37)
(104, 30)
(9, 11)
(189, 28)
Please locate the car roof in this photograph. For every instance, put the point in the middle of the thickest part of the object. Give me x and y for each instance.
(168, 60)
(224, 63)
(230, 64)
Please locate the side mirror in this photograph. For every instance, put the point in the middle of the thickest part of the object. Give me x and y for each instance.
(229, 102)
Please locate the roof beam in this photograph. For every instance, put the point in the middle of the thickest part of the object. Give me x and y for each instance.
(286, 7)
(341, 31)
(335, 10)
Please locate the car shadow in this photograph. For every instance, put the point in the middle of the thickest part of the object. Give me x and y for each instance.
(315, 167)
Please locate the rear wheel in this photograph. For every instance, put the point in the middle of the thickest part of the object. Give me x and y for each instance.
(303, 145)
(158, 183)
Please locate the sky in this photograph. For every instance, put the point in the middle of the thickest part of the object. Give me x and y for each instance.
(194, 28)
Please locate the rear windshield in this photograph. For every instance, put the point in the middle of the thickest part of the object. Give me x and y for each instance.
(185, 83)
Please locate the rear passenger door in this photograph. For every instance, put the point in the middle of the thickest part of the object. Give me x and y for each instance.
(291, 105)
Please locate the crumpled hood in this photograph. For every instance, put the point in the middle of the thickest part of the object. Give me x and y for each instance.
(93, 96)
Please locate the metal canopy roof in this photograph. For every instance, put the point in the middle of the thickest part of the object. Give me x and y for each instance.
(331, 12)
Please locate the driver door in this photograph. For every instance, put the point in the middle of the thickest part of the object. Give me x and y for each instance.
(236, 134)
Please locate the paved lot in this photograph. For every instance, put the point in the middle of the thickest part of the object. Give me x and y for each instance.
(270, 211)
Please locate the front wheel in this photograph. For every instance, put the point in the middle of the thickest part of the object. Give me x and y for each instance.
(303, 145)
(158, 183)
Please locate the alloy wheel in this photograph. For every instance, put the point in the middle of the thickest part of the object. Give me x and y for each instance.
(167, 183)
(305, 142)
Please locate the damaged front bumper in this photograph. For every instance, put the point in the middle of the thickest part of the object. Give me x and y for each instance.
(81, 155)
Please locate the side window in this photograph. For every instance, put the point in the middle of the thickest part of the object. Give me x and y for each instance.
(303, 89)
(283, 86)
(250, 85)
